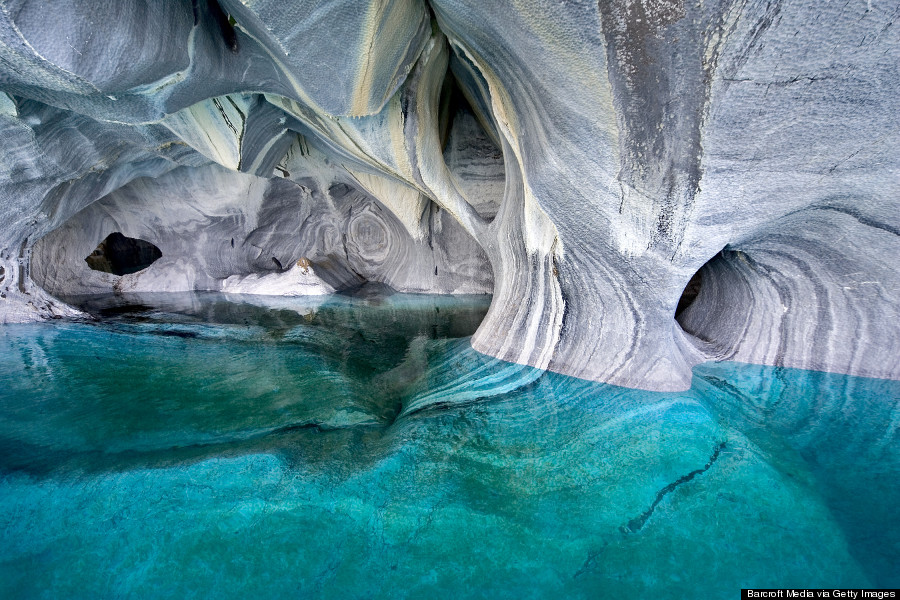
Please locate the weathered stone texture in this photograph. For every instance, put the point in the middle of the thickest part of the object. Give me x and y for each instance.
(581, 160)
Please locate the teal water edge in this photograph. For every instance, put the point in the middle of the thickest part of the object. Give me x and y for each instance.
(195, 446)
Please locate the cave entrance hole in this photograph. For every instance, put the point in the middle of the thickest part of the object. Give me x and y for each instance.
(690, 293)
(470, 143)
(121, 255)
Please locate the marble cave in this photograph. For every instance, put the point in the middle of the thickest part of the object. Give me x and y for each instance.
(448, 298)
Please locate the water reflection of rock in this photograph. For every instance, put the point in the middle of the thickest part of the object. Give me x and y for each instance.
(495, 470)
(162, 372)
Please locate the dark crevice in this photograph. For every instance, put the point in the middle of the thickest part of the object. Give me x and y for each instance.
(635, 524)
(447, 107)
(690, 293)
(225, 23)
(122, 255)
(694, 286)
(454, 103)
(240, 134)
(470, 151)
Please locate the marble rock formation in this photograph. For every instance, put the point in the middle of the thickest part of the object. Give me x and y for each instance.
(581, 160)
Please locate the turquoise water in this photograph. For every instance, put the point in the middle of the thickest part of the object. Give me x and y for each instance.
(356, 447)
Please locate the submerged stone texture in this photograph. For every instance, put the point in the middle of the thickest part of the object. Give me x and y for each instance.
(581, 160)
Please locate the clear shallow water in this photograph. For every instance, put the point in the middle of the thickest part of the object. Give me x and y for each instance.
(192, 446)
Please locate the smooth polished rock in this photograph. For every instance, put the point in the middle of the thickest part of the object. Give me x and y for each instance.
(53, 164)
(640, 142)
(298, 280)
(652, 137)
(243, 234)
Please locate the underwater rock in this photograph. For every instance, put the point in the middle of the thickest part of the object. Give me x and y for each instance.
(581, 161)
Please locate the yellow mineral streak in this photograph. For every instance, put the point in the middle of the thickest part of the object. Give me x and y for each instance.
(385, 21)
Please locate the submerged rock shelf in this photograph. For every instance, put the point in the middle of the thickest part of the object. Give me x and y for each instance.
(194, 445)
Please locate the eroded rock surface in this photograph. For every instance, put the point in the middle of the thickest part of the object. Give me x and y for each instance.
(581, 160)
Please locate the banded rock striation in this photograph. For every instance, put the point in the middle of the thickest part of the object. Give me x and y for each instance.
(582, 161)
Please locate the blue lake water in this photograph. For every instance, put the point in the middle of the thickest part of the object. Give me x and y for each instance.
(196, 446)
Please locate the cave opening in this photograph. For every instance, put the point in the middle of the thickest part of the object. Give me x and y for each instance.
(471, 146)
(121, 255)
(690, 293)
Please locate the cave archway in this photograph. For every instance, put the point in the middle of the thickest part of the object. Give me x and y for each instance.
(121, 255)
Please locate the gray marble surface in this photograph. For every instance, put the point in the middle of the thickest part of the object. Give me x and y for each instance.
(580, 161)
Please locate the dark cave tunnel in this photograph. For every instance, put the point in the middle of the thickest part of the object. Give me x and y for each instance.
(121, 255)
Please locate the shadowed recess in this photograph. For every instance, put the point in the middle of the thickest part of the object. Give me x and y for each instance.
(121, 255)
(691, 291)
